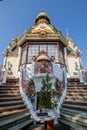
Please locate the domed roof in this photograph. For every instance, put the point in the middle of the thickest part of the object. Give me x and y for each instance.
(42, 15)
(43, 57)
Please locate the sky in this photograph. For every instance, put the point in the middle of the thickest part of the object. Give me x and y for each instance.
(16, 16)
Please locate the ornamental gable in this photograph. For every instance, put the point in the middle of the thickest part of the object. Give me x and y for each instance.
(43, 27)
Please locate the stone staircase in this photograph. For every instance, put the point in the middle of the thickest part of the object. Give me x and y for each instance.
(14, 114)
(74, 108)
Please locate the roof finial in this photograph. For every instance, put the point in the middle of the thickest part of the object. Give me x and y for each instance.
(67, 33)
(42, 10)
(17, 32)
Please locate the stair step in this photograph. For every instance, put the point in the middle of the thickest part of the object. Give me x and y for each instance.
(12, 80)
(7, 99)
(10, 95)
(9, 85)
(76, 94)
(77, 90)
(22, 125)
(9, 91)
(76, 97)
(79, 107)
(11, 108)
(77, 113)
(77, 84)
(11, 103)
(77, 87)
(72, 125)
(76, 102)
(74, 108)
(14, 115)
(10, 114)
(75, 119)
(15, 119)
(8, 88)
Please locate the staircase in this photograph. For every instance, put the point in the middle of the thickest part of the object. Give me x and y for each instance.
(14, 114)
(74, 108)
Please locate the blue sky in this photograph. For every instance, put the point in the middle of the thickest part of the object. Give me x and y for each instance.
(20, 15)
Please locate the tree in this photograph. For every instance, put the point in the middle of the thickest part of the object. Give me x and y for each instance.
(57, 87)
(47, 94)
(31, 90)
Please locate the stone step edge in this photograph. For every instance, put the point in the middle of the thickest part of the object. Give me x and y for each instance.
(74, 112)
(9, 85)
(9, 90)
(13, 114)
(11, 98)
(76, 97)
(9, 94)
(78, 121)
(69, 87)
(12, 120)
(76, 106)
(22, 125)
(76, 92)
(2, 115)
(12, 107)
(11, 103)
(71, 125)
(76, 102)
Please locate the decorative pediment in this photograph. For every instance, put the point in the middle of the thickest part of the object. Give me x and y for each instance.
(43, 27)
(43, 64)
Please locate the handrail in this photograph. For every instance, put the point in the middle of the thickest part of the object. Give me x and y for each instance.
(3, 76)
(83, 76)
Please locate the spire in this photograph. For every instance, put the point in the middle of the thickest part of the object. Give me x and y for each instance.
(42, 16)
(67, 33)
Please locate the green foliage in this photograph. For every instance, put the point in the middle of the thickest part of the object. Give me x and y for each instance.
(10, 68)
(57, 84)
(76, 66)
(75, 73)
(31, 90)
(47, 94)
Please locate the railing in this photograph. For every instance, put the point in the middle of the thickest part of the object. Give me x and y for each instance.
(83, 76)
(59, 73)
(3, 76)
(23, 94)
(64, 86)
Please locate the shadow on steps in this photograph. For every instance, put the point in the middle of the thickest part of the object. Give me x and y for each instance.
(41, 127)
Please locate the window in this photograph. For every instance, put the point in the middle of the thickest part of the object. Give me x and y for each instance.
(43, 48)
(53, 51)
(32, 51)
(23, 58)
(61, 56)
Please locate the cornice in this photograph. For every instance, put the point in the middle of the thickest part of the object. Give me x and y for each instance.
(14, 55)
(27, 37)
(69, 56)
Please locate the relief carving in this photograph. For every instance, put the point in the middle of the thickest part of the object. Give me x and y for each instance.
(43, 67)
